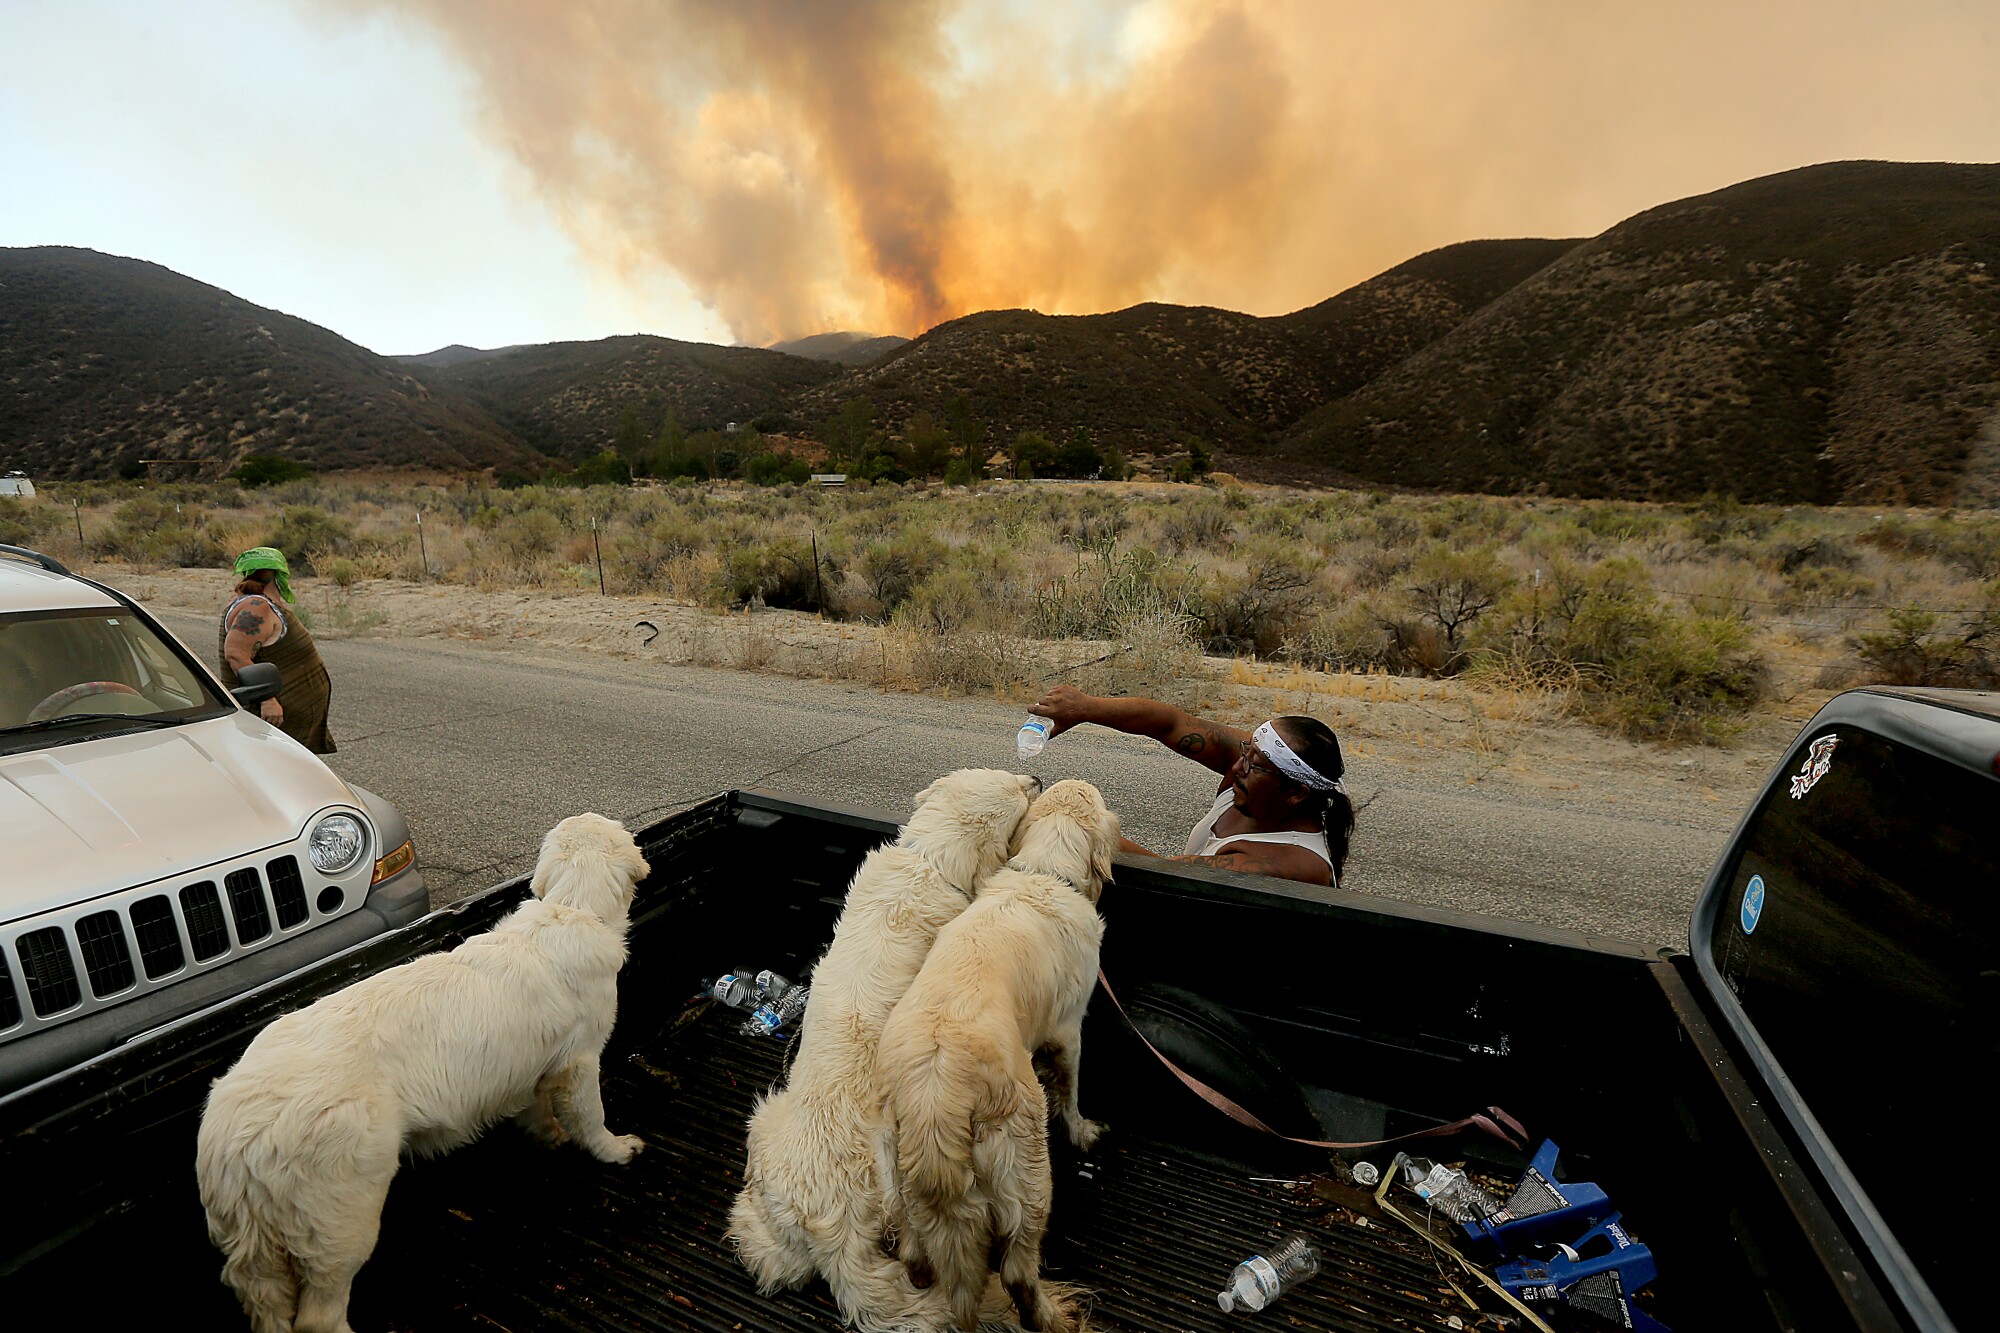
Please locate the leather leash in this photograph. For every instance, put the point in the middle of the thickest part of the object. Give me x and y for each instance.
(1491, 1120)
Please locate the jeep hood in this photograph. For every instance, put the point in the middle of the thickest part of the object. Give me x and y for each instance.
(96, 816)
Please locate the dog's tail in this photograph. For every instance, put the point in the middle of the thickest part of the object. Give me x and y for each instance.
(256, 1263)
(942, 1108)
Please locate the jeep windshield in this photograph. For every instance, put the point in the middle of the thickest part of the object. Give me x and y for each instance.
(67, 676)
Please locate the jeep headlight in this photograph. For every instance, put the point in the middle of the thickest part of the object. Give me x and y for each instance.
(336, 843)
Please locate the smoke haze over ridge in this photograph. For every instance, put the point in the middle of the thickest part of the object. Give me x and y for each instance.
(888, 164)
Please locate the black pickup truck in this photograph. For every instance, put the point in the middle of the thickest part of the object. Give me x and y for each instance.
(1787, 1114)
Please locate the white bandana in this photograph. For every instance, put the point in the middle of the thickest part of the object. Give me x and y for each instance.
(1267, 739)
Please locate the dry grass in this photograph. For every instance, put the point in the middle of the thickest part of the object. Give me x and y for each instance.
(1668, 622)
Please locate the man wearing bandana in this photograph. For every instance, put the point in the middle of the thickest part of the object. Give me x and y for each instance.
(256, 627)
(1281, 809)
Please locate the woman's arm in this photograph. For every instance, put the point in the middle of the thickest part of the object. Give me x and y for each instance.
(253, 623)
(1205, 742)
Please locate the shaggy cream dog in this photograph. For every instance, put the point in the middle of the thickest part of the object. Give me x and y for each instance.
(300, 1138)
(967, 1174)
(811, 1202)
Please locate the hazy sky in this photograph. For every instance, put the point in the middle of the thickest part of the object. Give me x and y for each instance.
(411, 173)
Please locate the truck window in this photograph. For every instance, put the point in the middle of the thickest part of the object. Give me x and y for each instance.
(1859, 935)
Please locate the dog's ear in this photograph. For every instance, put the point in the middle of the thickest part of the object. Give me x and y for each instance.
(1102, 848)
(635, 863)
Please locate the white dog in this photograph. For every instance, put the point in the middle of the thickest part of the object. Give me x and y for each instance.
(300, 1139)
(811, 1202)
(964, 1119)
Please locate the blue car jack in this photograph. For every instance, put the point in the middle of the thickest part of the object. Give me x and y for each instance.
(1597, 1275)
(1540, 1211)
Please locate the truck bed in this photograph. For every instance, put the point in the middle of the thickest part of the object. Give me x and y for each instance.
(1149, 1231)
(507, 1234)
(1328, 1014)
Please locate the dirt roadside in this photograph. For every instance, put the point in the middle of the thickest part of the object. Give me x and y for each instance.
(1507, 745)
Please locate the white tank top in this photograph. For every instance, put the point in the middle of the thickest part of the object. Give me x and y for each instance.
(1203, 842)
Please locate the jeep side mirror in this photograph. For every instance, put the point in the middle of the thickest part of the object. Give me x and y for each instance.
(257, 682)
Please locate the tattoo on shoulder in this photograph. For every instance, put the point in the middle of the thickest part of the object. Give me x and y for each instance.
(1191, 744)
(248, 621)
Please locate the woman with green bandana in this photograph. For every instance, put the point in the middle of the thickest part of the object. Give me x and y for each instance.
(256, 627)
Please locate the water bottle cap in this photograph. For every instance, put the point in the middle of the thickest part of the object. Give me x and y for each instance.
(1226, 1299)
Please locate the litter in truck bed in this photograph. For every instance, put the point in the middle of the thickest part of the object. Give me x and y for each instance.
(1146, 1229)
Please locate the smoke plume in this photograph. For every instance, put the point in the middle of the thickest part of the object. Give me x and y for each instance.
(806, 165)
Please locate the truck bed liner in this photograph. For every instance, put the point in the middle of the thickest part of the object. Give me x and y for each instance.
(1148, 1231)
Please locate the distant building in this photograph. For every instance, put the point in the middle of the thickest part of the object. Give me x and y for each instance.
(16, 483)
(829, 479)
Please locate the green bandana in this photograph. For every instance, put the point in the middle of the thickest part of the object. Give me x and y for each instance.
(268, 557)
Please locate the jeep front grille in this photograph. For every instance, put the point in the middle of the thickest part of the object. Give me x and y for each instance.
(246, 904)
(70, 962)
(159, 943)
(48, 970)
(107, 959)
(208, 932)
(288, 891)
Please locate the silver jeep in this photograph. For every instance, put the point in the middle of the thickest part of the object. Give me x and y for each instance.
(161, 846)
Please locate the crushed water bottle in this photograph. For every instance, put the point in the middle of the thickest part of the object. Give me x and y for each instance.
(1448, 1190)
(732, 989)
(781, 1003)
(1033, 735)
(1262, 1278)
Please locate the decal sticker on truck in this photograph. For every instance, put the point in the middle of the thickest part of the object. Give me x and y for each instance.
(1753, 904)
(1819, 758)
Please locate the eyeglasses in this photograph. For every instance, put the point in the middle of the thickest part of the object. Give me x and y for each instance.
(1254, 762)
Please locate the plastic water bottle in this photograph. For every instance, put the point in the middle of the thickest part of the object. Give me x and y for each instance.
(733, 990)
(1448, 1190)
(781, 1003)
(1262, 1278)
(1034, 734)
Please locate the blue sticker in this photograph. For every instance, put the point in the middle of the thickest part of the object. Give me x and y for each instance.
(1753, 903)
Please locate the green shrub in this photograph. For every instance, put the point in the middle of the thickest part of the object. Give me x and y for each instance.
(267, 470)
(24, 523)
(946, 601)
(305, 533)
(529, 533)
(781, 573)
(889, 570)
(605, 469)
(1258, 607)
(772, 469)
(1645, 670)
(1922, 647)
(1451, 589)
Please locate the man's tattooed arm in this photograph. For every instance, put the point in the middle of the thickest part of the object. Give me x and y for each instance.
(1209, 743)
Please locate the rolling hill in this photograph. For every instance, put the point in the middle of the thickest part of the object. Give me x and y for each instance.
(107, 361)
(1828, 334)
(846, 349)
(1143, 377)
(567, 398)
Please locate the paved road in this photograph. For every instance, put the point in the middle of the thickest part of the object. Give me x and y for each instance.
(484, 750)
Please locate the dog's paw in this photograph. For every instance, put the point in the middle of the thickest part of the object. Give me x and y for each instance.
(1085, 1133)
(619, 1148)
